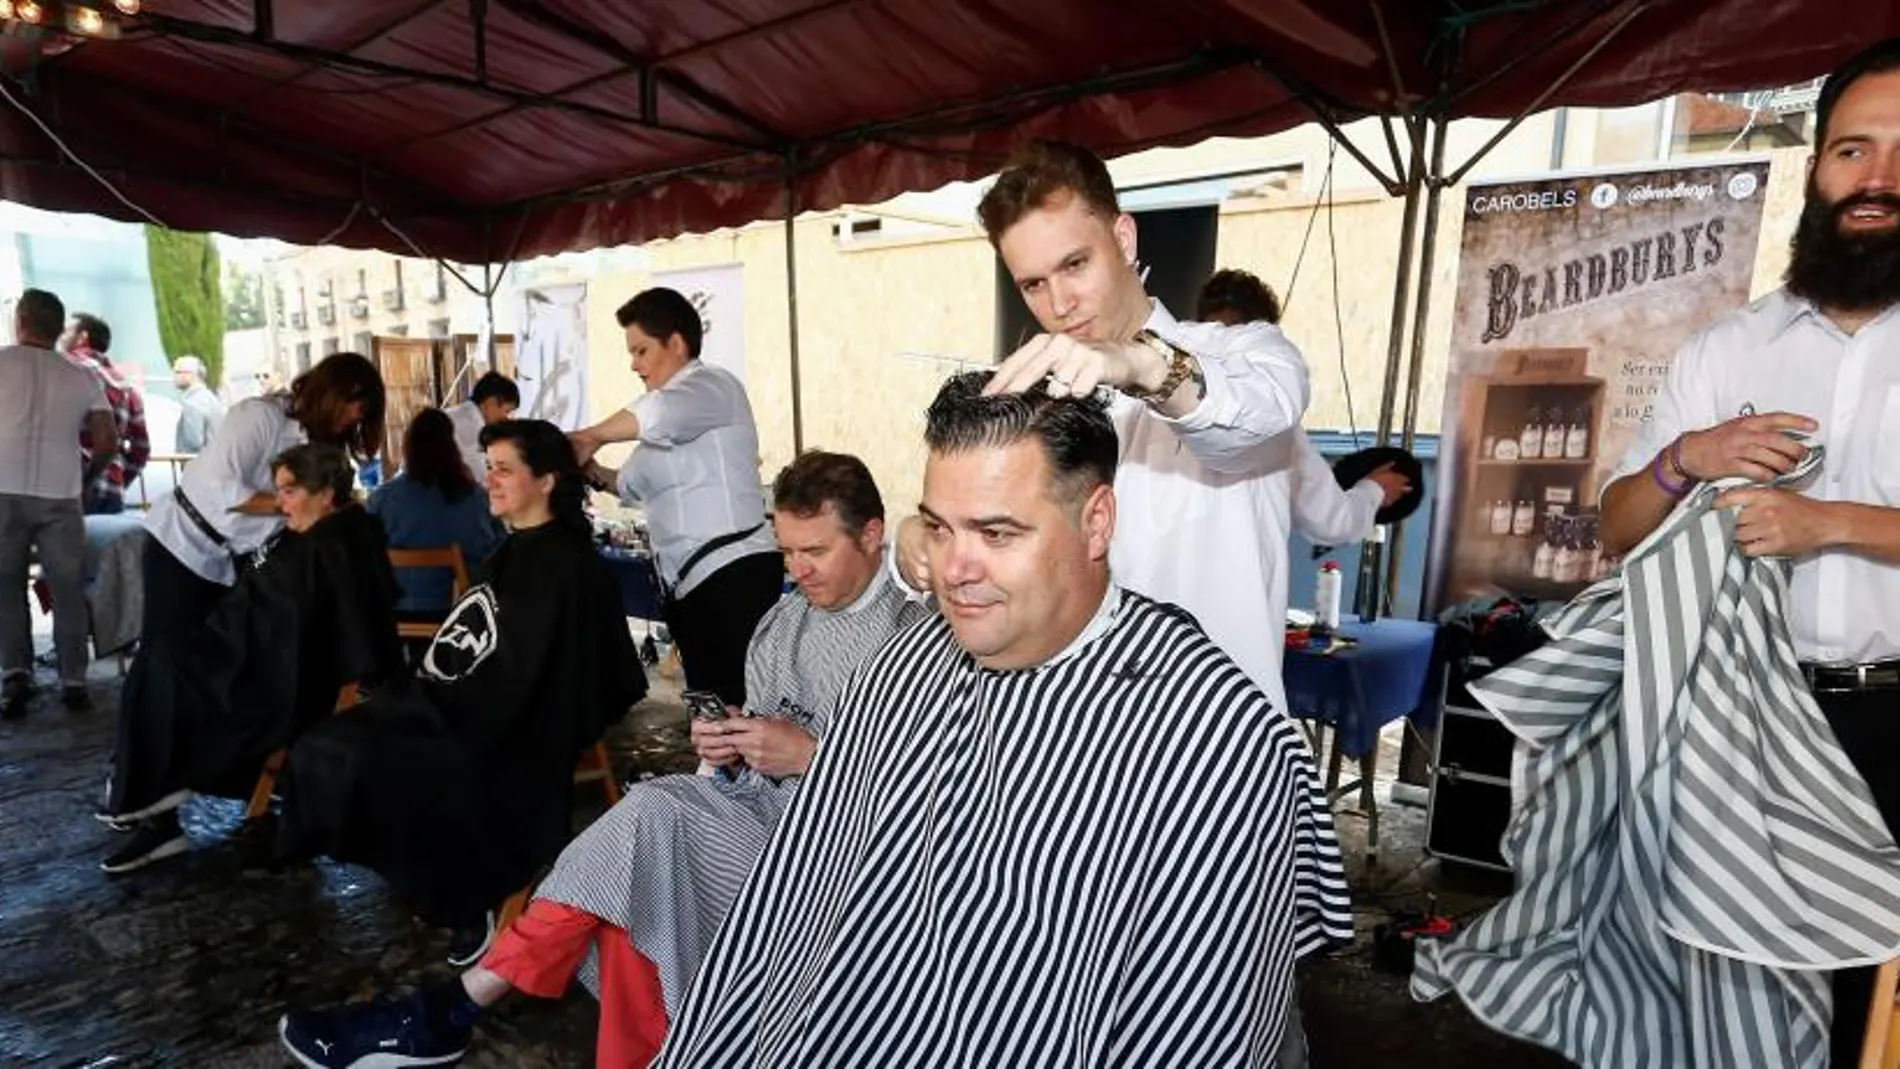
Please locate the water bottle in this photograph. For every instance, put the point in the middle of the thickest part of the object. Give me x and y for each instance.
(1326, 599)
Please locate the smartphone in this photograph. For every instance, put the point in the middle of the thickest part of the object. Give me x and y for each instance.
(705, 705)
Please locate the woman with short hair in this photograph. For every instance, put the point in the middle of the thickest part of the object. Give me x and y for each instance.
(696, 475)
(215, 700)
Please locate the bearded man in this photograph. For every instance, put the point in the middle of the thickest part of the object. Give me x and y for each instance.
(1815, 361)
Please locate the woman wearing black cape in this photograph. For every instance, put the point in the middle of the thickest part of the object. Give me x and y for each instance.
(459, 787)
(216, 697)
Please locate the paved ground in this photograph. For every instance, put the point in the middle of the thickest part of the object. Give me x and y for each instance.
(189, 964)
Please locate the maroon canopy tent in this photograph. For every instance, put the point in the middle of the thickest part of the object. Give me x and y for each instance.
(493, 130)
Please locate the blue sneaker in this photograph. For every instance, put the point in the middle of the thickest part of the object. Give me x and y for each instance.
(391, 1033)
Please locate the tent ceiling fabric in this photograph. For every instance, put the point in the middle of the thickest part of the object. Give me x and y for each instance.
(503, 129)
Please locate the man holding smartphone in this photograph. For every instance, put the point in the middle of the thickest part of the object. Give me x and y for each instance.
(633, 903)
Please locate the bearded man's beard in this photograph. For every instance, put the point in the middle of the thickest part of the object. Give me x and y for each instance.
(1854, 272)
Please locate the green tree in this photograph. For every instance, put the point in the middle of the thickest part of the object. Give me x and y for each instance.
(243, 298)
(187, 277)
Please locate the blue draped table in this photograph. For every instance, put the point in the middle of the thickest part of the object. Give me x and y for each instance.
(1385, 676)
(639, 582)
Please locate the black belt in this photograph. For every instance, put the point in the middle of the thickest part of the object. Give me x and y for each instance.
(1844, 678)
(198, 519)
(707, 549)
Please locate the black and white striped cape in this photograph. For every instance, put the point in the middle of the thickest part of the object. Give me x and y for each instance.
(1111, 860)
(1693, 848)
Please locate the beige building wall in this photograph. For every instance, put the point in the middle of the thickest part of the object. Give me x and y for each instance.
(884, 319)
(880, 325)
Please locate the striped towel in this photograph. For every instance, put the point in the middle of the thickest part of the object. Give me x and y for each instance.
(1694, 851)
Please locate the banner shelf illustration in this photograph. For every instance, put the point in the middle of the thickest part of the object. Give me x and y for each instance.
(1573, 294)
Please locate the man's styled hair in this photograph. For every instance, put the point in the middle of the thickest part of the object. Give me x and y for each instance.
(1075, 433)
(317, 466)
(1240, 292)
(661, 313)
(1878, 58)
(818, 478)
(98, 331)
(1038, 173)
(42, 314)
(496, 386)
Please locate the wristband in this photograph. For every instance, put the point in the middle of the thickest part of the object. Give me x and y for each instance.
(1674, 453)
(1656, 473)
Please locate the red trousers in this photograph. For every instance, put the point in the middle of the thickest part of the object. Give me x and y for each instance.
(539, 954)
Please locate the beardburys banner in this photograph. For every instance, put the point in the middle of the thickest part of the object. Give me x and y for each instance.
(1574, 294)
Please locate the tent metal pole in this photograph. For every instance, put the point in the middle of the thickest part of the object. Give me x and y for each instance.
(1421, 312)
(1366, 599)
(791, 296)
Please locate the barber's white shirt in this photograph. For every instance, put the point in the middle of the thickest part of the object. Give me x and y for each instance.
(1783, 354)
(1326, 514)
(467, 418)
(696, 472)
(44, 401)
(233, 467)
(1204, 502)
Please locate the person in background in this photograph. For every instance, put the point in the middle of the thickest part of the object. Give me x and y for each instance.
(200, 412)
(459, 788)
(640, 894)
(316, 614)
(696, 475)
(44, 402)
(223, 511)
(430, 504)
(1813, 360)
(494, 398)
(85, 342)
(1322, 511)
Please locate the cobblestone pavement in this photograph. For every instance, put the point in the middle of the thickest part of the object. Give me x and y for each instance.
(190, 963)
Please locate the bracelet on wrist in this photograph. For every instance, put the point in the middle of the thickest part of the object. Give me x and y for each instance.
(1674, 453)
(1673, 489)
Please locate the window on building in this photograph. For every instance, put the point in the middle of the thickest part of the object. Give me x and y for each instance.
(362, 282)
(400, 330)
(303, 357)
(362, 342)
(331, 346)
(438, 328)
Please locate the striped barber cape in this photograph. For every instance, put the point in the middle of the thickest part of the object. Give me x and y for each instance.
(1694, 851)
(1111, 859)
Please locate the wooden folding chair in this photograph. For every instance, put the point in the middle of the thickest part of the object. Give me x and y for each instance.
(1881, 1048)
(449, 557)
(267, 780)
(595, 765)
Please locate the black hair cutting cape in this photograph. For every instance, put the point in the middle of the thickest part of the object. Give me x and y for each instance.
(459, 786)
(203, 709)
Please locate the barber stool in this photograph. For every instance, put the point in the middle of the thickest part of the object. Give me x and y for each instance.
(267, 780)
(596, 765)
(449, 557)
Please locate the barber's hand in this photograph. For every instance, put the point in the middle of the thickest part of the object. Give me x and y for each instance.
(1749, 447)
(1075, 368)
(713, 739)
(585, 446)
(913, 557)
(773, 747)
(1780, 523)
(1391, 482)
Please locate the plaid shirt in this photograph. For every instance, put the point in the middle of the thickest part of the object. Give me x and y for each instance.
(128, 414)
